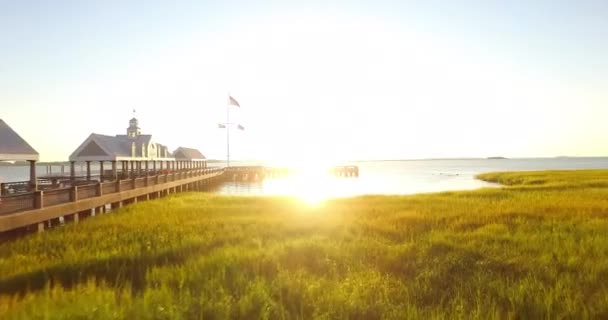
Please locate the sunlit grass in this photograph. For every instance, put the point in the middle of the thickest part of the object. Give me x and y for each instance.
(535, 249)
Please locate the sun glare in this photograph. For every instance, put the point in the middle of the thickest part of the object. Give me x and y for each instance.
(309, 180)
(311, 184)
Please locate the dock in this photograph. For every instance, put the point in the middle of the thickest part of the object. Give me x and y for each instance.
(35, 211)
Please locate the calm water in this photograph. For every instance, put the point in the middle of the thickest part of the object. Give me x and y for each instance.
(375, 177)
(403, 177)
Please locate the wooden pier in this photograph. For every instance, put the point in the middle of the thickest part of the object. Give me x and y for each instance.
(35, 211)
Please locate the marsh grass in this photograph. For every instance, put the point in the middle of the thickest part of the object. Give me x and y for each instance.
(537, 248)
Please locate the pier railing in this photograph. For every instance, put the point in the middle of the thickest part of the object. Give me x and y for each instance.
(18, 202)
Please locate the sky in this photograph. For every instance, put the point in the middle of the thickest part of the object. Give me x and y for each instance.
(315, 80)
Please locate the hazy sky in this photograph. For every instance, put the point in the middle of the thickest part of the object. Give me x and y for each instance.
(352, 79)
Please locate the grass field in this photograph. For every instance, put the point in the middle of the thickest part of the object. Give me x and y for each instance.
(537, 248)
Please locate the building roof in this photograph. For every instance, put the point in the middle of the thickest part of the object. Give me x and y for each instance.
(102, 147)
(142, 138)
(182, 153)
(99, 147)
(132, 146)
(13, 147)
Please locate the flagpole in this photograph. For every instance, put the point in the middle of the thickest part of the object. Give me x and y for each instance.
(228, 132)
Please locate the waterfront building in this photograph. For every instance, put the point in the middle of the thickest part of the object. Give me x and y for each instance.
(138, 154)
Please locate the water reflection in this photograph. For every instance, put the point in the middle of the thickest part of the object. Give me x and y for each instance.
(316, 185)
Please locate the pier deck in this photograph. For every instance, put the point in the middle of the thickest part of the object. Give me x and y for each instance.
(23, 212)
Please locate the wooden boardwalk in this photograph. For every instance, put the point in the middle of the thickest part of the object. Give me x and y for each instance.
(35, 211)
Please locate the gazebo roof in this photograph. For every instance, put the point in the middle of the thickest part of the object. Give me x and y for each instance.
(188, 154)
(13, 147)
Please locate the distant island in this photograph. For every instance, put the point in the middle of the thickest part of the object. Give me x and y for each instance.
(496, 158)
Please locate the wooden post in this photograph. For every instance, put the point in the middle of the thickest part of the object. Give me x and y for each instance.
(147, 170)
(74, 194)
(39, 199)
(101, 171)
(99, 189)
(114, 173)
(72, 170)
(88, 170)
(33, 179)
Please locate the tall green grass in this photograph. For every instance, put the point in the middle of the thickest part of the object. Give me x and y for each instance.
(535, 249)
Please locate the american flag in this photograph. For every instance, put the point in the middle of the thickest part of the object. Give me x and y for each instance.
(233, 102)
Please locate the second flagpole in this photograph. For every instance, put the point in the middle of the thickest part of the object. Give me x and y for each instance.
(228, 131)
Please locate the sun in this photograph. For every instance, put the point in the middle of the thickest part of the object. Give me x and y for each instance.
(312, 182)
